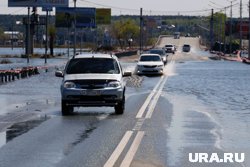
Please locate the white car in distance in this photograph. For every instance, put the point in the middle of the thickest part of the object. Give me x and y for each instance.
(170, 48)
(150, 64)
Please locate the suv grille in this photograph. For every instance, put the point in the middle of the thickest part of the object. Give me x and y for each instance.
(148, 66)
(92, 84)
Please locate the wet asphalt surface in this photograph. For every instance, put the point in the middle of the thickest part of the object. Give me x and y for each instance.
(199, 106)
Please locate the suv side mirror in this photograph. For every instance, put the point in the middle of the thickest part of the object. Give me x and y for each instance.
(59, 74)
(127, 74)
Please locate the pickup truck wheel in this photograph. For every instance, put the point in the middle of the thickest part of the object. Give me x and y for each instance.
(66, 110)
(119, 108)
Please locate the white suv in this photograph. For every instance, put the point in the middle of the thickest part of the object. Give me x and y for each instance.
(92, 80)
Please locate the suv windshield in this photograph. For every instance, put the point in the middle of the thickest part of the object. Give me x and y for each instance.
(92, 65)
(150, 58)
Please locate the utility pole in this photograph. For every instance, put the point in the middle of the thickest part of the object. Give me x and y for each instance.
(231, 27)
(225, 46)
(74, 28)
(212, 30)
(46, 38)
(28, 37)
(12, 33)
(249, 31)
(240, 24)
(221, 35)
(141, 25)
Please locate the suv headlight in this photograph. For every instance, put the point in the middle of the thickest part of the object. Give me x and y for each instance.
(139, 67)
(160, 66)
(69, 85)
(114, 84)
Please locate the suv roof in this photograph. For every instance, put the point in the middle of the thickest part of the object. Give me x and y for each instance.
(93, 64)
(94, 55)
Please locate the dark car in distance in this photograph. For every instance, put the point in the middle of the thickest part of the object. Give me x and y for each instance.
(186, 48)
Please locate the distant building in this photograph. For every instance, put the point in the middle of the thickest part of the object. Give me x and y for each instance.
(12, 37)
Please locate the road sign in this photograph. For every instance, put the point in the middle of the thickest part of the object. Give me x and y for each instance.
(103, 16)
(85, 17)
(38, 3)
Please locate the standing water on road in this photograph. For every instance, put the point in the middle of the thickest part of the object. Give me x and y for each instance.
(217, 108)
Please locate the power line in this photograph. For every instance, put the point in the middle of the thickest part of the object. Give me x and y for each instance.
(146, 11)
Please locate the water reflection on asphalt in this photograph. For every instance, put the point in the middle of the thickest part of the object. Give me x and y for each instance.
(20, 128)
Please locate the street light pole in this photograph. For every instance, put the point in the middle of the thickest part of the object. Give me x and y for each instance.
(141, 25)
(74, 27)
(28, 37)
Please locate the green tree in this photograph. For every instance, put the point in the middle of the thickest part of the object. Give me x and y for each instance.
(125, 30)
(219, 26)
(2, 35)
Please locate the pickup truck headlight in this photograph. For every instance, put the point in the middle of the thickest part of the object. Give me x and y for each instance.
(69, 85)
(114, 84)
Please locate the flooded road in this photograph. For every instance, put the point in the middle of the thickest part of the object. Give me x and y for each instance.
(211, 109)
(197, 106)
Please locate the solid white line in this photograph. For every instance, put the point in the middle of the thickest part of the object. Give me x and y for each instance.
(147, 101)
(155, 100)
(117, 152)
(133, 149)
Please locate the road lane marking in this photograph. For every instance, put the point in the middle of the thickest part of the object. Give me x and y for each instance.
(155, 100)
(117, 152)
(155, 94)
(146, 103)
(139, 124)
(132, 150)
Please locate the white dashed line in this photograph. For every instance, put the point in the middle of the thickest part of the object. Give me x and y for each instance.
(149, 98)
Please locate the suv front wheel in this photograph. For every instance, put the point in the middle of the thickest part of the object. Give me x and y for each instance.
(66, 110)
(119, 108)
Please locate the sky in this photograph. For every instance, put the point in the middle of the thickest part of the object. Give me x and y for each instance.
(150, 7)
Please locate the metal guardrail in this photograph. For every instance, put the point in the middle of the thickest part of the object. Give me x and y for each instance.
(159, 39)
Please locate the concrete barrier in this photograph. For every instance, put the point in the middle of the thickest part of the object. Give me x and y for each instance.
(13, 74)
(127, 53)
